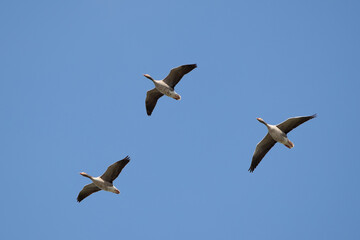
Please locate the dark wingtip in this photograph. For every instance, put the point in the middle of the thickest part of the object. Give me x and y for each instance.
(251, 170)
(191, 65)
(148, 112)
(314, 115)
(127, 158)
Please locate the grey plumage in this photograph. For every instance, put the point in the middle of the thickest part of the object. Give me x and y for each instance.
(105, 181)
(113, 171)
(166, 86)
(268, 142)
(152, 97)
(87, 191)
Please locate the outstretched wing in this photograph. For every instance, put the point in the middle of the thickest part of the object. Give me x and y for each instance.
(87, 190)
(176, 74)
(292, 123)
(260, 151)
(152, 97)
(114, 170)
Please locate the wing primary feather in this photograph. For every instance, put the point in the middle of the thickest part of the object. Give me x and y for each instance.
(152, 96)
(291, 123)
(261, 149)
(87, 191)
(177, 73)
(113, 171)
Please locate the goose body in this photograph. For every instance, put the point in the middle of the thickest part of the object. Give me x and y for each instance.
(165, 89)
(103, 185)
(279, 136)
(166, 86)
(276, 133)
(105, 181)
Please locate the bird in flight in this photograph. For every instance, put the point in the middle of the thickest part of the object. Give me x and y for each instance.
(105, 181)
(276, 133)
(166, 86)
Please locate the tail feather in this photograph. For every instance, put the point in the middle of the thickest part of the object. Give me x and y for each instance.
(290, 144)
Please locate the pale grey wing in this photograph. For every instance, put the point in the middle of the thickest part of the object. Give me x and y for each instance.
(152, 97)
(87, 190)
(176, 74)
(260, 151)
(114, 170)
(292, 123)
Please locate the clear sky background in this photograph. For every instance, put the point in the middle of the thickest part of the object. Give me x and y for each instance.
(72, 99)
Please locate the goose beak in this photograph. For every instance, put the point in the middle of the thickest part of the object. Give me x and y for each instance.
(117, 191)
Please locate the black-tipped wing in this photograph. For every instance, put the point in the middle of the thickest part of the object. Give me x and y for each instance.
(292, 123)
(114, 170)
(152, 97)
(260, 151)
(176, 74)
(87, 190)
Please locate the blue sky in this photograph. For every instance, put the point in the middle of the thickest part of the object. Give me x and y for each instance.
(72, 99)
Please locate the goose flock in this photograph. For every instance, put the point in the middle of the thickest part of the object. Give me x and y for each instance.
(276, 133)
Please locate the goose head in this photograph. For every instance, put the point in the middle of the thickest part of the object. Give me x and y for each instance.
(85, 175)
(262, 121)
(149, 77)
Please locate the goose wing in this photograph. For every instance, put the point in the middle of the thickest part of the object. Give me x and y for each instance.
(152, 97)
(87, 190)
(177, 73)
(260, 151)
(114, 170)
(292, 123)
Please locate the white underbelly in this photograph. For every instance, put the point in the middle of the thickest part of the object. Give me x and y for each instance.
(103, 185)
(278, 136)
(168, 92)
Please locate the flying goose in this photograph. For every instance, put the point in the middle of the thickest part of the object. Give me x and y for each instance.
(105, 181)
(276, 133)
(166, 86)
